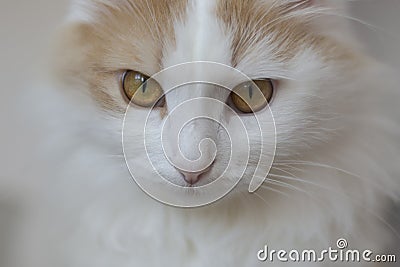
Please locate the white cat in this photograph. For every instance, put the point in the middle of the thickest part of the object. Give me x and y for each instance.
(335, 170)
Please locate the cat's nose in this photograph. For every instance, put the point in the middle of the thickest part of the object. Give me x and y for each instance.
(192, 177)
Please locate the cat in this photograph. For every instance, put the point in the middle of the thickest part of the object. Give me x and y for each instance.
(334, 173)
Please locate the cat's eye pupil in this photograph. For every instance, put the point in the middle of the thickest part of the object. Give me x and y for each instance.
(144, 86)
(251, 91)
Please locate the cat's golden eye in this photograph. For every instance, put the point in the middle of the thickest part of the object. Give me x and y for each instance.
(141, 89)
(252, 96)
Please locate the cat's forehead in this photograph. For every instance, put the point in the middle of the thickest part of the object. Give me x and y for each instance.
(148, 26)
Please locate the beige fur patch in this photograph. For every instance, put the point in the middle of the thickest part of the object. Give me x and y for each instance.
(276, 23)
(120, 35)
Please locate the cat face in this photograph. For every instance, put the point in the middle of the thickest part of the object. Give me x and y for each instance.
(112, 46)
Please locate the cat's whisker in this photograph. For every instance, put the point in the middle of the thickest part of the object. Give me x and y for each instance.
(275, 190)
(310, 13)
(286, 14)
(285, 171)
(307, 13)
(361, 22)
(287, 166)
(290, 164)
(315, 164)
(348, 196)
(288, 186)
(298, 179)
(271, 8)
(262, 199)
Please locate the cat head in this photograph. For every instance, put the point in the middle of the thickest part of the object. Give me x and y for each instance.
(300, 65)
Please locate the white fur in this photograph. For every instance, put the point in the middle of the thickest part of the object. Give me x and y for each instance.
(199, 38)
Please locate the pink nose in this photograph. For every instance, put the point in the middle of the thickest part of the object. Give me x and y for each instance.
(192, 177)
